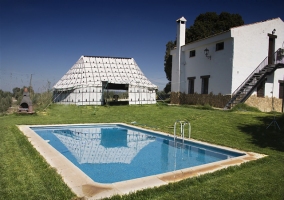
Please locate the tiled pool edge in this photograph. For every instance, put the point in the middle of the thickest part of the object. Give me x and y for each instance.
(84, 186)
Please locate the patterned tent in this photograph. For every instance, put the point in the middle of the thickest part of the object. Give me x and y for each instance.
(90, 76)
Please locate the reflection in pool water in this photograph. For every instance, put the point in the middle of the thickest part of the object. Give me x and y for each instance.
(113, 153)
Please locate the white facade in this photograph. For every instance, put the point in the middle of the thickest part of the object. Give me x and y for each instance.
(244, 48)
(86, 81)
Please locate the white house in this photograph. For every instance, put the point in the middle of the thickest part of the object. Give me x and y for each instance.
(241, 62)
(90, 76)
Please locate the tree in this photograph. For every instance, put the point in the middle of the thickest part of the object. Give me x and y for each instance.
(168, 60)
(16, 92)
(205, 25)
(167, 88)
(211, 23)
(168, 63)
(5, 101)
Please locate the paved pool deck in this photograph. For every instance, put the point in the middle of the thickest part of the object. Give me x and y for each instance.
(83, 186)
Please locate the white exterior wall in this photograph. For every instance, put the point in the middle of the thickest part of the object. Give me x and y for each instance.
(278, 76)
(175, 72)
(180, 55)
(272, 84)
(178, 69)
(219, 67)
(93, 96)
(80, 96)
(251, 48)
(245, 47)
(141, 95)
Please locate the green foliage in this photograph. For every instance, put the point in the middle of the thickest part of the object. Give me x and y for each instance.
(168, 88)
(161, 95)
(5, 101)
(42, 100)
(210, 23)
(244, 107)
(168, 60)
(17, 92)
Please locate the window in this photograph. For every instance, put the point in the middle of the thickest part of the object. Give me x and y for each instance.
(281, 89)
(204, 84)
(192, 53)
(219, 46)
(191, 85)
(260, 89)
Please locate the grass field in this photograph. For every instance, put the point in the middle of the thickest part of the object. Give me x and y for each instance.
(26, 175)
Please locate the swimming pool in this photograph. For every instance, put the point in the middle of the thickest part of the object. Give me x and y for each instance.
(162, 145)
(110, 153)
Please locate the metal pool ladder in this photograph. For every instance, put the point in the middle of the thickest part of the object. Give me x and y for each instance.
(182, 125)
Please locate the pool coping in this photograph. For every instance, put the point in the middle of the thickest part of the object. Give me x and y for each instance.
(83, 186)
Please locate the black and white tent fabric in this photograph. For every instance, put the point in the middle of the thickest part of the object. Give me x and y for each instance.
(90, 76)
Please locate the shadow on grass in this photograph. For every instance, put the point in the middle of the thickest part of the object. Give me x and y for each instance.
(118, 103)
(264, 136)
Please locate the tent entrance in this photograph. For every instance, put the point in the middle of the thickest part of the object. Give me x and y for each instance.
(115, 94)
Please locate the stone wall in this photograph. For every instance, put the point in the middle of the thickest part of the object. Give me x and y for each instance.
(265, 103)
(218, 101)
(262, 103)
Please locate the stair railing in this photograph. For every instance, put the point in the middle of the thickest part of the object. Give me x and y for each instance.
(278, 57)
(258, 69)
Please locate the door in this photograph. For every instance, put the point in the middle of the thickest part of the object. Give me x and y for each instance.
(281, 90)
(270, 50)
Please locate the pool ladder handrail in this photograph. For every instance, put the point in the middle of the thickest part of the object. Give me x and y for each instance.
(182, 125)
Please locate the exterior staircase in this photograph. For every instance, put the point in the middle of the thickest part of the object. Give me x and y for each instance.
(265, 68)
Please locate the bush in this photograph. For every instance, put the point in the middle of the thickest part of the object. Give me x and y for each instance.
(245, 107)
(5, 101)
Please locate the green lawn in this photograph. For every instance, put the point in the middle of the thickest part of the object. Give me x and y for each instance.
(24, 174)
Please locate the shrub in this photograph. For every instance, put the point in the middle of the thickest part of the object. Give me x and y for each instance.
(5, 101)
(245, 107)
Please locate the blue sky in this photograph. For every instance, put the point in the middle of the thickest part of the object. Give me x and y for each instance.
(46, 37)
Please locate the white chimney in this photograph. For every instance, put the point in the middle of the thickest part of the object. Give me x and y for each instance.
(181, 31)
(180, 42)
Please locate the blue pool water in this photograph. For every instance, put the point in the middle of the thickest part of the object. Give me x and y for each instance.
(113, 153)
